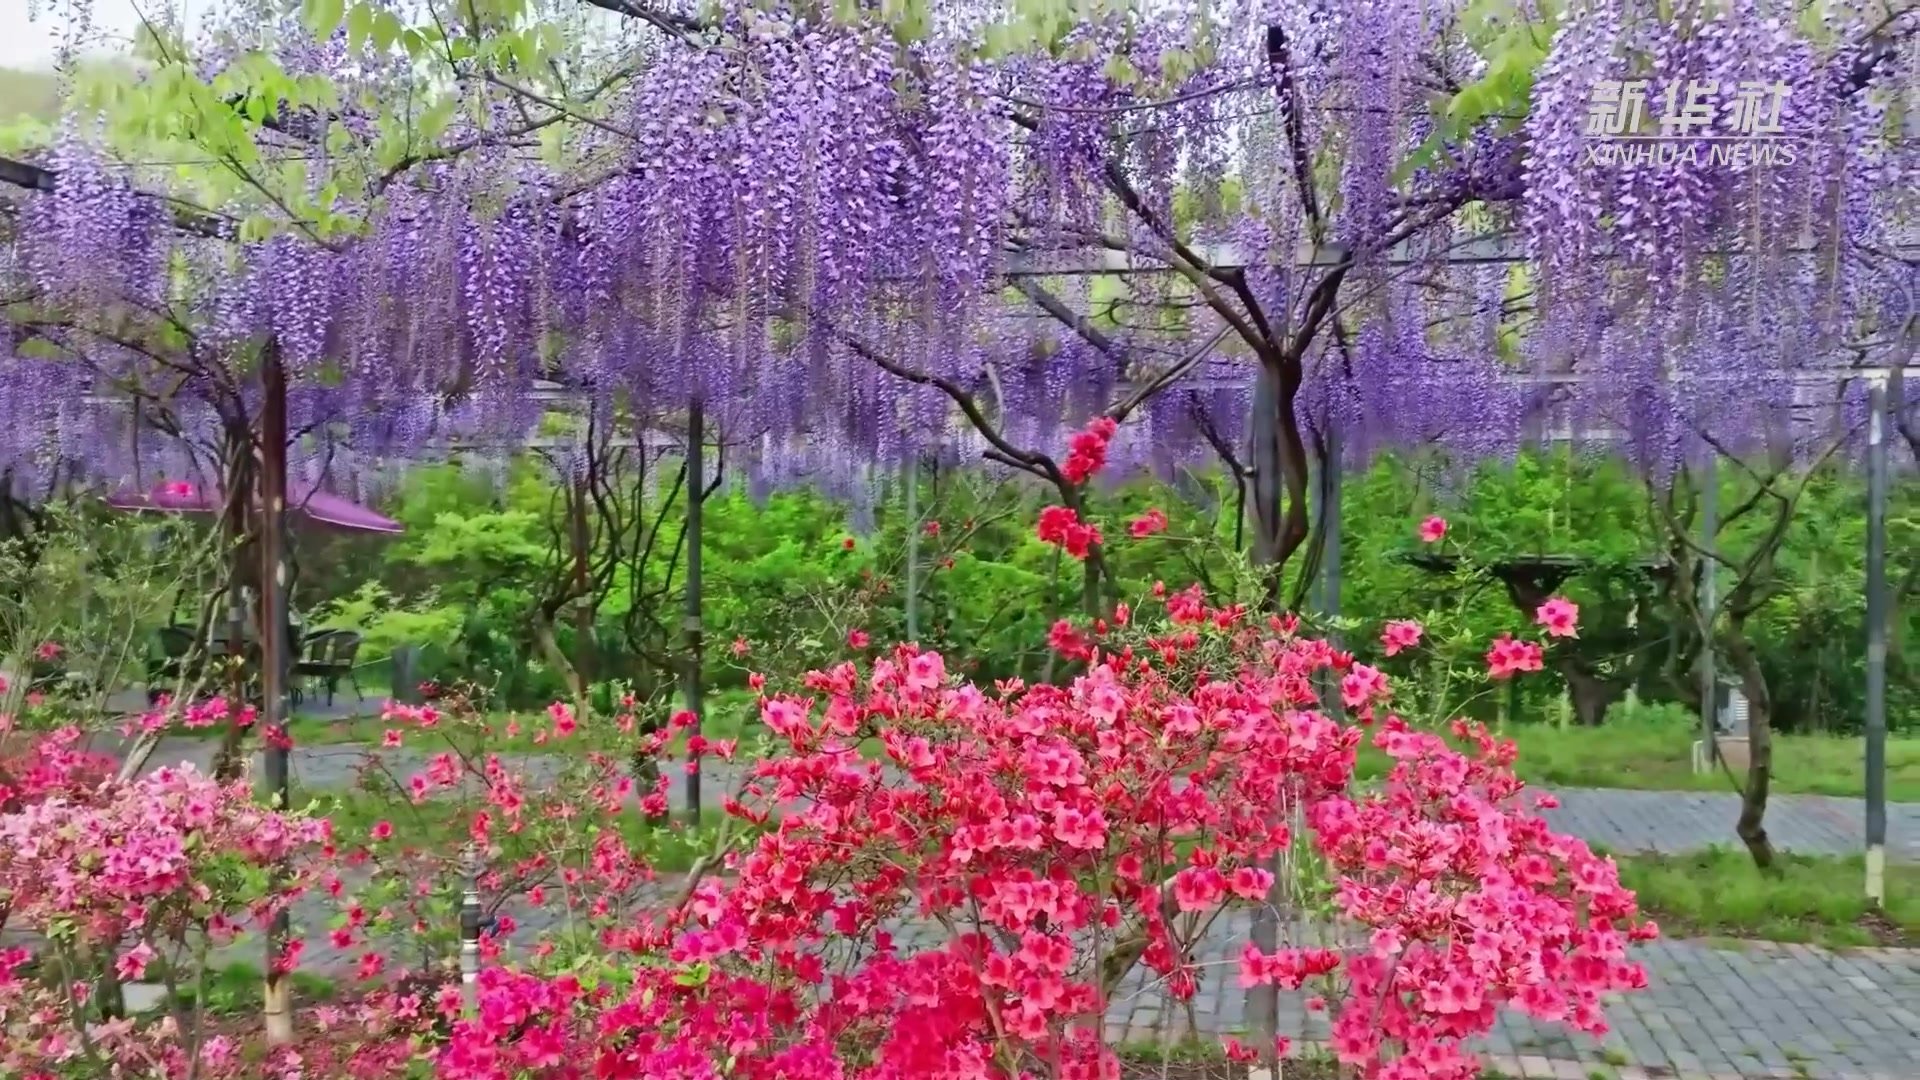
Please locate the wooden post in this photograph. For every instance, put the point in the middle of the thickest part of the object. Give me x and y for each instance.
(1264, 458)
(696, 478)
(1709, 602)
(273, 655)
(912, 476)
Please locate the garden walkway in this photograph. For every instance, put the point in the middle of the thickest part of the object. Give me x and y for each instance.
(1714, 1011)
(1620, 821)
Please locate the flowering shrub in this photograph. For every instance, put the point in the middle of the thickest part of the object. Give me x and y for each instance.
(1056, 836)
(1474, 905)
(34, 767)
(566, 842)
(940, 879)
(125, 881)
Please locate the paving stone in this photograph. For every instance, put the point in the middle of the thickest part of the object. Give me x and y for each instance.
(139, 997)
(1533, 1066)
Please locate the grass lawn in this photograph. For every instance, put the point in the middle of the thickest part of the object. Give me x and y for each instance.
(1814, 899)
(236, 988)
(1193, 1059)
(1653, 752)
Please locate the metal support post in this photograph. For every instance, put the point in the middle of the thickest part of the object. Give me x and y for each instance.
(1876, 711)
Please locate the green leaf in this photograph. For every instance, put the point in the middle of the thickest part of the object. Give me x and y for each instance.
(386, 30)
(697, 975)
(1177, 65)
(359, 25)
(322, 16)
(38, 349)
(1421, 156)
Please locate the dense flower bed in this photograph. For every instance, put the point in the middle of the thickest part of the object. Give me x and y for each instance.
(1058, 833)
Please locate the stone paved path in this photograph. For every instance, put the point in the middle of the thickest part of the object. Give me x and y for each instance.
(1712, 1012)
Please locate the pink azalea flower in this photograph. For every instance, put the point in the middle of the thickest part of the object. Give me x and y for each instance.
(1432, 529)
(1362, 684)
(1559, 616)
(1400, 635)
(132, 964)
(1147, 524)
(1508, 656)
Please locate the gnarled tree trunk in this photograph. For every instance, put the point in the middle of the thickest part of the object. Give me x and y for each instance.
(1753, 798)
(1592, 694)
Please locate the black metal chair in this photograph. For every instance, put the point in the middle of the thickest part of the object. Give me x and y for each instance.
(328, 656)
(176, 645)
(309, 652)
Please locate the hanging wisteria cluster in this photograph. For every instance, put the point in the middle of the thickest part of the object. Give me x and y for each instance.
(811, 226)
(1723, 273)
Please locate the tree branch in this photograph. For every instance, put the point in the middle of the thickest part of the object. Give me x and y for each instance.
(187, 217)
(1028, 460)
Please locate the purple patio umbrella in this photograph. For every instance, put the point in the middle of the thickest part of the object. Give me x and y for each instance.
(324, 508)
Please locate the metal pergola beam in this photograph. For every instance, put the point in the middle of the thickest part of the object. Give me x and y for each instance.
(1496, 249)
(1082, 261)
